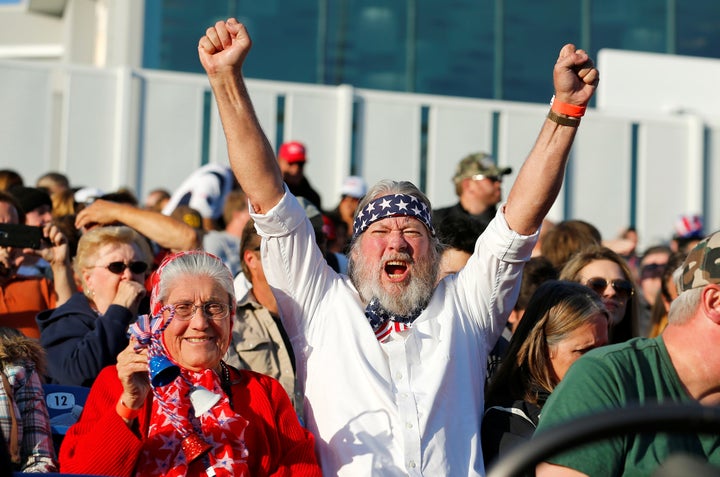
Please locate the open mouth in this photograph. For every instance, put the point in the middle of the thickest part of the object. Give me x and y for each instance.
(396, 270)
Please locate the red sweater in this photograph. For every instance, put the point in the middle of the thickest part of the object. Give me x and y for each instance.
(101, 443)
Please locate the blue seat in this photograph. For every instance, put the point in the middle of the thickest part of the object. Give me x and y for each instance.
(64, 405)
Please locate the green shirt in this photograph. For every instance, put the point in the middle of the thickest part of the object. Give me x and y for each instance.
(635, 372)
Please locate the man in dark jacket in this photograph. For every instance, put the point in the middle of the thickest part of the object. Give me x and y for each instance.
(478, 182)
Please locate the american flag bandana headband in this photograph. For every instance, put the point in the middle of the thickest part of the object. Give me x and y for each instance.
(394, 205)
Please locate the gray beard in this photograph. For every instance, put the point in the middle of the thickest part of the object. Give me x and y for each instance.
(401, 298)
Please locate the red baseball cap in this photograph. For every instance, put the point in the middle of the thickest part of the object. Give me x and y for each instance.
(293, 152)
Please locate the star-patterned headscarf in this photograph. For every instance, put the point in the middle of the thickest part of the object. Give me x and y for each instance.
(173, 418)
(393, 205)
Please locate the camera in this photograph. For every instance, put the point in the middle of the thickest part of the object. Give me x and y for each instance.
(21, 236)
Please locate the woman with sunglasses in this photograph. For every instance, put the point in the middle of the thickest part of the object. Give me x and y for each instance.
(608, 274)
(87, 332)
(204, 418)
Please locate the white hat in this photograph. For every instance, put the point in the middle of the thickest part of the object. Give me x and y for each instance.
(87, 194)
(354, 186)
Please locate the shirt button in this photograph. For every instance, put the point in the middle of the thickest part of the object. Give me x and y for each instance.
(411, 464)
(398, 375)
(403, 395)
(409, 425)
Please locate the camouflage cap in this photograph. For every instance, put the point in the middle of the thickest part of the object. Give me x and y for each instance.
(478, 163)
(702, 265)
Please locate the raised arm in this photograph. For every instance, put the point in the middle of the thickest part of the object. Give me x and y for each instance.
(538, 183)
(161, 229)
(222, 52)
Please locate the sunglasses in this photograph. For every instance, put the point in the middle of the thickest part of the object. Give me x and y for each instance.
(623, 288)
(479, 177)
(119, 267)
(653, 270)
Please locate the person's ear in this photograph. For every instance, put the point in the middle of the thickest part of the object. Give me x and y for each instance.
(251, 259)
(247, 257)
(86, 282)
(711, 302)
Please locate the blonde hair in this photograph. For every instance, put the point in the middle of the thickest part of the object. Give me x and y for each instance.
(92, 240)
(63, 203)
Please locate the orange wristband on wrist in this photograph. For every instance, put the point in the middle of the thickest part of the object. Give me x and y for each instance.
(125, 412)
(567, 109)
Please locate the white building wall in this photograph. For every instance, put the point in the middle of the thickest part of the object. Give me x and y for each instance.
(87, 32)
(117, 127)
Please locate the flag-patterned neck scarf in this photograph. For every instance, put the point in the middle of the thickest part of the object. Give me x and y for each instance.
(220, 429)
(384, 323)
(394, 205)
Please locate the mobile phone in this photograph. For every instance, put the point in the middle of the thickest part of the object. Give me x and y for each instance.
(21, 236)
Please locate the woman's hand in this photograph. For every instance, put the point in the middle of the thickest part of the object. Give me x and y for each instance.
(132, 368)
(129, 294)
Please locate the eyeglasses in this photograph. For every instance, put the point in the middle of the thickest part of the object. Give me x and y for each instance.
(623, 288)
(211, 309)
(119, 267)
(479, 177)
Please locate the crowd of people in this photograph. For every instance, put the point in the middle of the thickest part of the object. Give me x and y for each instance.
(232, 325)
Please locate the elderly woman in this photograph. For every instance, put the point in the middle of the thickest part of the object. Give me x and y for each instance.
(87, 332)
(608, 274)
(126, 429)
(563, 321)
